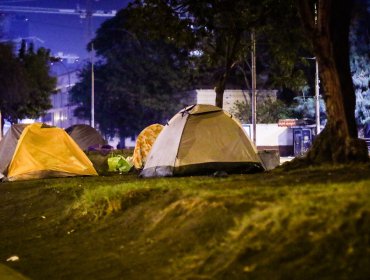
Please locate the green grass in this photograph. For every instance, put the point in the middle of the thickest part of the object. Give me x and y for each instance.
(311, 223)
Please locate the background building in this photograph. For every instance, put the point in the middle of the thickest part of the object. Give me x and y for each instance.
(231, 96)
(66, 70)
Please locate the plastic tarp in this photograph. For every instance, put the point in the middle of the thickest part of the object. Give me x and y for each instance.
(119, 163)
(47, 152)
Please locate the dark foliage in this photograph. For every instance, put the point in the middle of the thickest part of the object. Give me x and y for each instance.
(26, 84)
(139, 81)
(217, 35)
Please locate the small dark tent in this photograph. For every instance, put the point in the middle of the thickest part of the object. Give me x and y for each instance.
(85, 136)
(8, 145)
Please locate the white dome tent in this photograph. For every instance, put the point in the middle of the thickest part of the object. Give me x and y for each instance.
(202, 139)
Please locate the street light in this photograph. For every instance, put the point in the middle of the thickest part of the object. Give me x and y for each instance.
(93, 74)
(317, 95)
(254, 87)
(92, 88)
(317, 23)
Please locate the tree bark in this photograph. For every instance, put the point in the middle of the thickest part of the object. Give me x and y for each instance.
(220, 89)
(329, 34)
(231, 46)
(1, 126)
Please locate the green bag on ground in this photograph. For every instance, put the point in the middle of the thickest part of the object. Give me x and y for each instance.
(118, 163)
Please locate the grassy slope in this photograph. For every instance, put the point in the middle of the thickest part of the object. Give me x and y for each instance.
(306, 224)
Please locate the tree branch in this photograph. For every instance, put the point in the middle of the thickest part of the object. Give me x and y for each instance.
(307, 16)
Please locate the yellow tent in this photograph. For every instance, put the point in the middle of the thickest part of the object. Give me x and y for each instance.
(44, 151)
(144, 143)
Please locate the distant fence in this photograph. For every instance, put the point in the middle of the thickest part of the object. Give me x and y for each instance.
(367, 140)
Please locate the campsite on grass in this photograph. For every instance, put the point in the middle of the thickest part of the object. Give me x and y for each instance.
(223, 220)
(218, 140)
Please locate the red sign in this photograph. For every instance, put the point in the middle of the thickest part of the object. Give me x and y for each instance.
(288, 122)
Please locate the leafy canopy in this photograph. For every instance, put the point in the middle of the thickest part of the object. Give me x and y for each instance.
(26, 84)
(217, 36)
(139, 81)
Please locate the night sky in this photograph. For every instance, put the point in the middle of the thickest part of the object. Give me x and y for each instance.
(66, 33)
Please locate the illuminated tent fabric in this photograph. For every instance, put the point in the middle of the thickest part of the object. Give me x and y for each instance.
(44, 151)
(7, 146)
(144, 143)
(85, 136)
(201, 139)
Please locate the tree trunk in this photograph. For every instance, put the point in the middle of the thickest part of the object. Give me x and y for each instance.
(339, 142)
(121, 144)
(220, 89)
(1, 126)
(231, 46)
